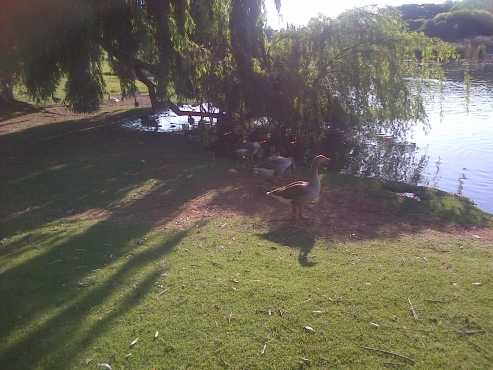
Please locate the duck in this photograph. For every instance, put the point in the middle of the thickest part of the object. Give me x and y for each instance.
(113, 99)
(274, 166)
(249, 150)
(299, 193)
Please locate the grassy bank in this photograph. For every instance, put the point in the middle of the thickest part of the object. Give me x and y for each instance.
(109, 237)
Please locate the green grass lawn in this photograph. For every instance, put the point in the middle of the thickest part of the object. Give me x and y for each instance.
(111, 81)
(92, 260)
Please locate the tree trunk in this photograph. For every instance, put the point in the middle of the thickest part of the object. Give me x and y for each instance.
(160, 10)
(153, 97)
(6, 91)
(151, 88)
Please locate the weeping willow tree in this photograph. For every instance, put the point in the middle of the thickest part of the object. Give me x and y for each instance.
(200, 49)
(8, 61)
(351, 69)
(53, 40)
(176, 48)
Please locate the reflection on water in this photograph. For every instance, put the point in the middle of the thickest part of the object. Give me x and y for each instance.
(169, 121)
(387, 160)
(454, 152)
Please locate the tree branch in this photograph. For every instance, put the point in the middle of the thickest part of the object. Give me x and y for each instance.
(128, 59)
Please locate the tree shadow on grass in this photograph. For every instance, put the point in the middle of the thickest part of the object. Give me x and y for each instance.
(16, 109)
(39, 285)
(84, 170)
(42, 283)
(61, 337)
(75, 203)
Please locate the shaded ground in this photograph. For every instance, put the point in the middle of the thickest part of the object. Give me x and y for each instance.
(107, 235)
(349, 207)
(22, 115)
(54, 148)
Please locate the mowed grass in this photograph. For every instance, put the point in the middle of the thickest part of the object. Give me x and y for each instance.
(111, 80)
(86, 270)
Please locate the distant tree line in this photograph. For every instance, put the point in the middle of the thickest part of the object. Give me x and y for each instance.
(452, 21)
(460, 24)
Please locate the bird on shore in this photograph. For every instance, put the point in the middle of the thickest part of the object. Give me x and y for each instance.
(113, 99)
(299, 193)
(249, 150)
(274, 167)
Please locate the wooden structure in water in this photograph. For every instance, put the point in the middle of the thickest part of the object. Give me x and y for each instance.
(201, 114)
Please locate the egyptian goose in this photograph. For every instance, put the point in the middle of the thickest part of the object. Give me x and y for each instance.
(274, 166)
(299, 193)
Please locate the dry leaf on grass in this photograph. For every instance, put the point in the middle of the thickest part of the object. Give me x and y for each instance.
(309, 329)
(162, 292)
(263, 349)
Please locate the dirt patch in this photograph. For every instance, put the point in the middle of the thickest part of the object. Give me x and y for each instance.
(339, 215)
(480, 235)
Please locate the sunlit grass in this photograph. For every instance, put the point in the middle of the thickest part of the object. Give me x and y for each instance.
(27, 245)
(219, 292)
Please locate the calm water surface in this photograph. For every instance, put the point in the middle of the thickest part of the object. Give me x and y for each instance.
(455, 154)
(168, 121)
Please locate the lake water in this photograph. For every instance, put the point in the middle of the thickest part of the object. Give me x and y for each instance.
(169, 121)
(456, 152)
